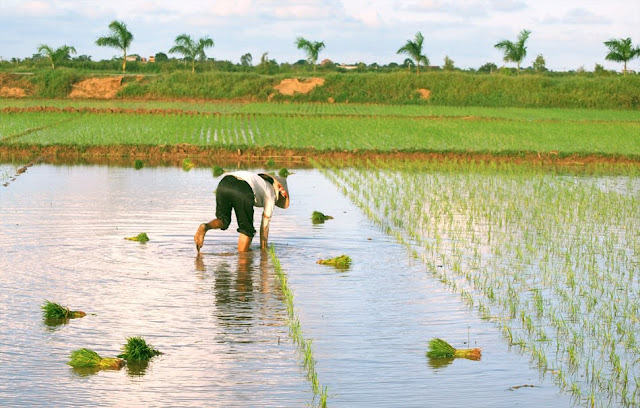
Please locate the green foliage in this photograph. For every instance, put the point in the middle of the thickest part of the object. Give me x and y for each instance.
(87, 358)
(217, 171)
(53, 311)
(187, 164)
(311, 48)
(413, 48)
(137, 349)
(439, 348)
(141, 237)
(190, 49)
(621, 50)
(138, 164)
(284, 172)
(119, 38)
(515, 51)
(318, 218)
(55, 83)
(340, 262)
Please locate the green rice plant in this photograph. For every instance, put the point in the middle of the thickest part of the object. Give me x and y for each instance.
(187, 164)
(137, 349)
(87, 358)
(340, 262)
(284, 172)
(217, 171)
(51, 310)
(319, 218)
(270, 164)
(304, 346)
(141, 237)
(138, 164)
(439, 348)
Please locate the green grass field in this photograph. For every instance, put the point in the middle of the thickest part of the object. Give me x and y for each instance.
(326, 127)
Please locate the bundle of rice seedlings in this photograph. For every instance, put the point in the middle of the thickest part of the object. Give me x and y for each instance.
(141, 237)
(439, 348)
(54, 311)
(137, 349)
(342, 261)
(284, 172)
(217, 171)
(270, 164)
(187, 164)
(87, 358)
(318, 218)
(138, 164)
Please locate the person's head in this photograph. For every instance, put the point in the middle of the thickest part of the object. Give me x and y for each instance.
(281, 188)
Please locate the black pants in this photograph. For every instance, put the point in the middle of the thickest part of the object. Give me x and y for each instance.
(237, 194)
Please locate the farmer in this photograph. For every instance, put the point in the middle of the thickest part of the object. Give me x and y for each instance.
(242, 190)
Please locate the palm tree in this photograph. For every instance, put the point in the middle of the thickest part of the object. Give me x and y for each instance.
(621, 50)
(515, 52)
(311, 48)
(191, 49)
(414, 50)
(57, 55)
(119, 38)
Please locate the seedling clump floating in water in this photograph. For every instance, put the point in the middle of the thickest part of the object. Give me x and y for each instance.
(137, 349)
(187, 164)
(141, 237)
(318, 218)
(284, 172)
(87, 358)
(53, 311)
(270, 164)
(439, 348)
(217, 171)
(138, 164)
(342, 261)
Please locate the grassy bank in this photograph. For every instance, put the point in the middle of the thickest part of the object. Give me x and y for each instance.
(452, 89)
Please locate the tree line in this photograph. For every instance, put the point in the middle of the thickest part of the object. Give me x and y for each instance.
(620, 50)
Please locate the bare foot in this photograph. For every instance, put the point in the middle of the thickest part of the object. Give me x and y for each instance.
(199, 237)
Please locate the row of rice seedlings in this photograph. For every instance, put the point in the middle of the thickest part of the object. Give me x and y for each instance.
(316, 109)
(295, 330)
(558, 286)
(378, 133)
(16, 125)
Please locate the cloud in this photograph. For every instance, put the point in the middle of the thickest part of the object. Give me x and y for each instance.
(32, 8)
(577, 16)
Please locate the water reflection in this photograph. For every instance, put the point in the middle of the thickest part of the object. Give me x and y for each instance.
(440, 362)
(240, 282)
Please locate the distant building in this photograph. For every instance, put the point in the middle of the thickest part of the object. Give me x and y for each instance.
(348, 67)
(152, 58)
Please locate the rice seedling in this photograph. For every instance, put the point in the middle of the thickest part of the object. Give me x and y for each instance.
(550, 251)
(340, 262)
(87, 358)
(141, 237)
(304, 346)
(137, 349)
(439, 348)
(138, 164)
(270, 164)
(284, 172)
(51, 310)
(319, 218)
(217, 171)
(187, 164)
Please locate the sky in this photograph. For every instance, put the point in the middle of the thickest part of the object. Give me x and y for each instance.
(569, 33)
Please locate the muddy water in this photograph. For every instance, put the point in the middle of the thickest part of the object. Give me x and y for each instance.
(219, 318)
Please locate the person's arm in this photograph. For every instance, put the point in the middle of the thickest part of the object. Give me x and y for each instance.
(264, 224)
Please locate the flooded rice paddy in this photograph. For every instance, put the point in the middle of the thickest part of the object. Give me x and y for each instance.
(220, 318)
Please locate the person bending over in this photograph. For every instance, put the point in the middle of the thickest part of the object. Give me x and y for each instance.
(241, 191)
